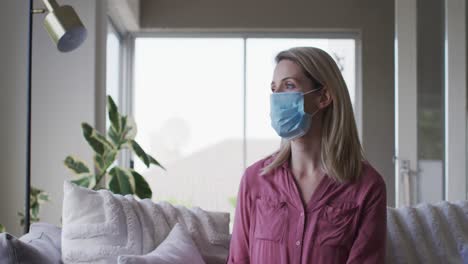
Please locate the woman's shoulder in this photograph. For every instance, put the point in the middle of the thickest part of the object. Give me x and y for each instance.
(255, 169)
(371, 178)
(253, 173)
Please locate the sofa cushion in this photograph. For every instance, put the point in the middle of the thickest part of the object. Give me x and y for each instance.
(428, 233)
(99, 226)
(40, 245)
(177, 248)
(52, 232)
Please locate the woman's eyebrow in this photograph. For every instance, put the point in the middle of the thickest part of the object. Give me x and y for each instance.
(285, 78)
(289, 77)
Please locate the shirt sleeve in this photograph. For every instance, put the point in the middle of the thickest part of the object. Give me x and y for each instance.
(369, 247)
(239, 246)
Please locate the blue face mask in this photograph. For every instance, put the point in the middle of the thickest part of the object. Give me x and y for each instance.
(287, 114)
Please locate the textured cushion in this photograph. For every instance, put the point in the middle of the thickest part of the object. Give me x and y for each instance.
(99, 226)
(428, 233)
(51, 232)
(40, 245)
(177, 248)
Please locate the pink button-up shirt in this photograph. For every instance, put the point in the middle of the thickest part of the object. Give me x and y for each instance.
(342, 223)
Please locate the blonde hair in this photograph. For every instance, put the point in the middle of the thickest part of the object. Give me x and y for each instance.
(341, 150)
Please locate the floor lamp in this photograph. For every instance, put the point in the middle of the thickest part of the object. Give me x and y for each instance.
(67, 31)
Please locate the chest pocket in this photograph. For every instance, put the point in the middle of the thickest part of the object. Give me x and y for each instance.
(336, 224)
(271, 219)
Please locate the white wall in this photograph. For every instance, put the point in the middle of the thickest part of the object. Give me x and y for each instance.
(67, 90)
(13, 46)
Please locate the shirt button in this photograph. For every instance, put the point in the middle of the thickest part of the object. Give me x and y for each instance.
(298, 243)
(302, 214)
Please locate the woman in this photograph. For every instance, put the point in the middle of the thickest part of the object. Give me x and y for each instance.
(315, 200)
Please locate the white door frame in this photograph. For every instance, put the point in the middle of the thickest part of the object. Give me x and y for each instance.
(406, 137)
(455, 100)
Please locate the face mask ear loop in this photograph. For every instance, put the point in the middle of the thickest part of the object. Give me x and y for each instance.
(314, 90)
(311, 91)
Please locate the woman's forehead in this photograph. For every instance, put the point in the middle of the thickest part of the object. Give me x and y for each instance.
(287, 69)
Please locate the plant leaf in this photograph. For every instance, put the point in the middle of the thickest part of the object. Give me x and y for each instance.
(109, 158)
(114, 136)
(140, 153)
(108, 146)
(76, 165)
(34, 211)
(43, 197)
(21, 215)
(120, 182)
(233, 201)
(2, 229)
(99, 162)
(96, 140)
(102, 162)
(123, 121)
(142, 188)
(155, 162)
(83, 181)
(114, 115)
(130, 130)
(95, 144)
(37, 197)
(35, 191)
(92, 182)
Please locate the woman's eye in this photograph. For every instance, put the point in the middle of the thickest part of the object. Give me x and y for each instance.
(290, 86)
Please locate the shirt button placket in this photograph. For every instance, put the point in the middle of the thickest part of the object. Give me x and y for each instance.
(300, 236)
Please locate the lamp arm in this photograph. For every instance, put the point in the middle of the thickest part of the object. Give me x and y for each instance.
(38, 11)
(51, 5)
(27, 215)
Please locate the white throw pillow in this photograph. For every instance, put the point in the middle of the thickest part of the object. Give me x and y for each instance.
(177, 248)
(99, 226)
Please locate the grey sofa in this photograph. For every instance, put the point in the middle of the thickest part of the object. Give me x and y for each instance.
(427, 233)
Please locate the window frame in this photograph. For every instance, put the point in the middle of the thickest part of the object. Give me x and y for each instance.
(125, 88)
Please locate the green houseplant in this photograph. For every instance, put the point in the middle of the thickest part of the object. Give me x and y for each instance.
(120, 135)
(37, 198)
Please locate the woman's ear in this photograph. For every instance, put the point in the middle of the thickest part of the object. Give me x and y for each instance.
(325, 98)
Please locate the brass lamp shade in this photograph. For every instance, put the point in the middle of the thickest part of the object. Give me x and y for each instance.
(65, 28)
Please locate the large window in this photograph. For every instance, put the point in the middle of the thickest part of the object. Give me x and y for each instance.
(202, 109)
